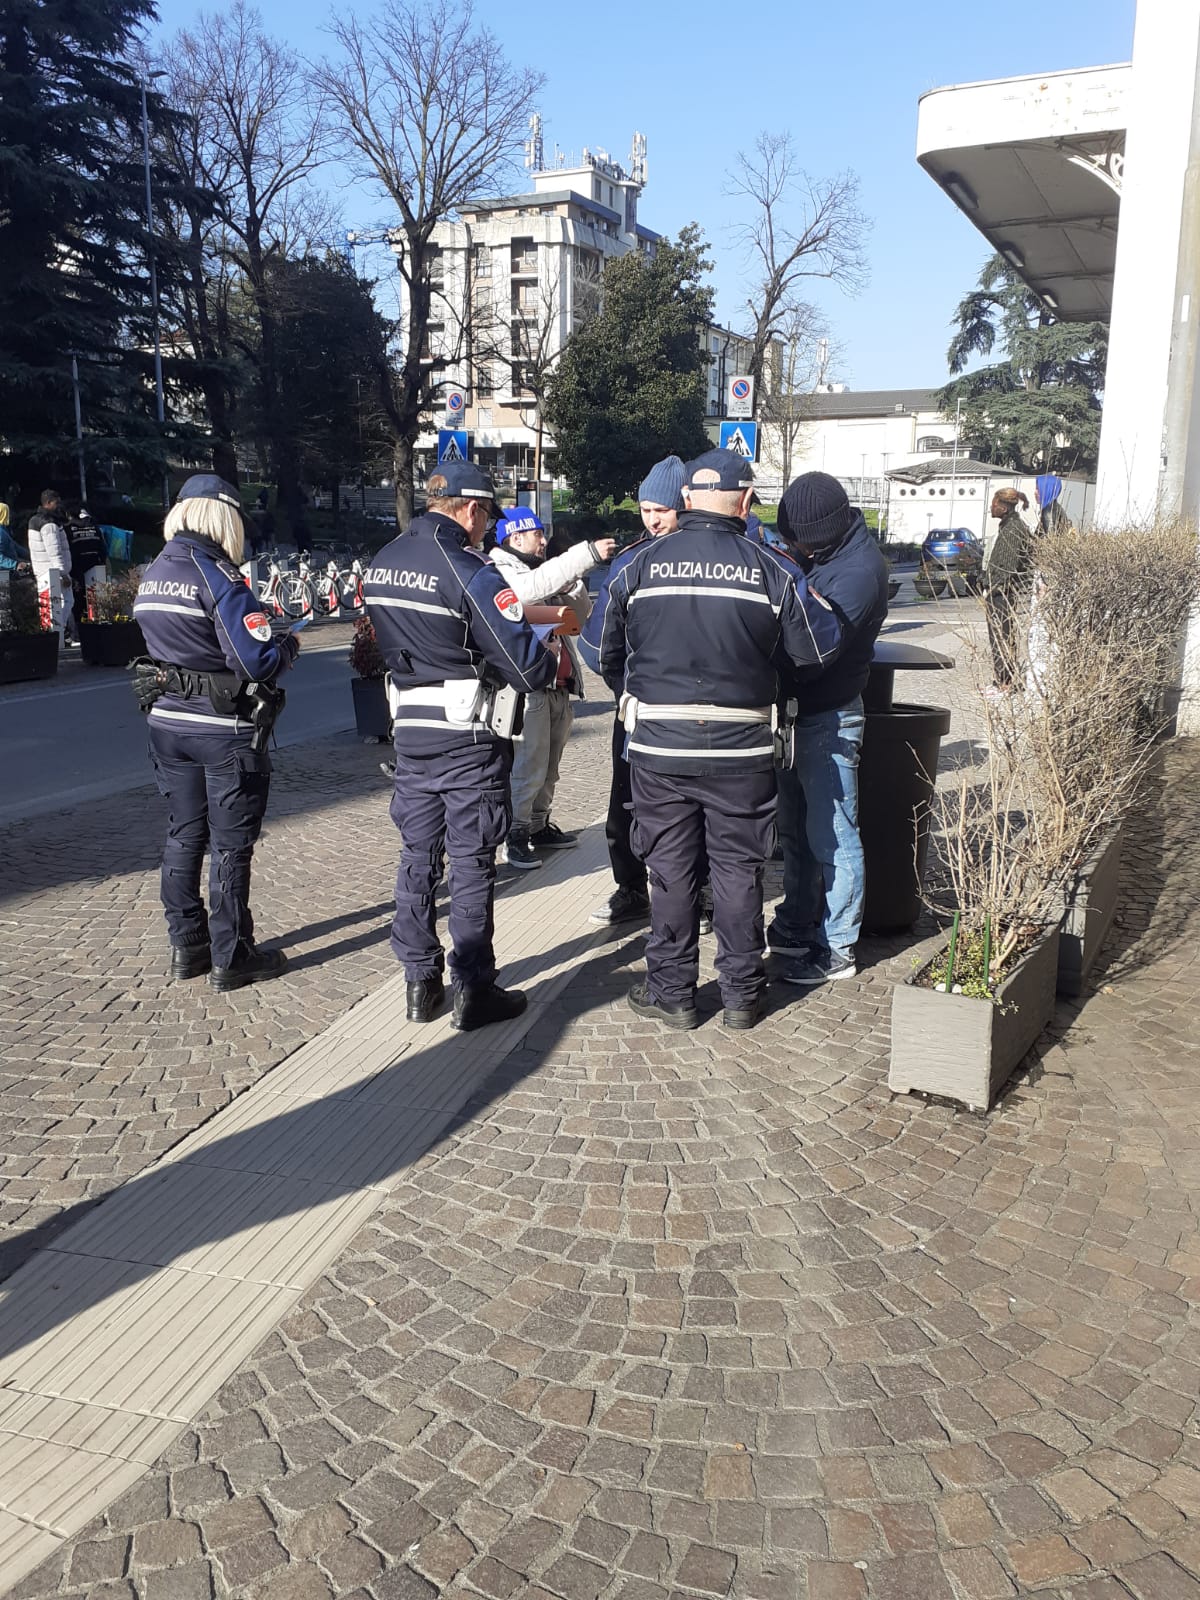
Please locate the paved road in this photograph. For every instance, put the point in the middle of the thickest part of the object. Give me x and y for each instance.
(80, 736)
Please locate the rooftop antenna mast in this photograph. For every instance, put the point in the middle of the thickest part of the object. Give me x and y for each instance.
(535, 152)
(637, 160)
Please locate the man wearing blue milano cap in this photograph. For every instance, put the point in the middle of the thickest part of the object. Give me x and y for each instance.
(452, 630)
(695, 624)
(520, 555)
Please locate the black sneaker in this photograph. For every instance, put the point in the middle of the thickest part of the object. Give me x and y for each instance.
(823, 966)
(190, 960)
(476, 1005)
(249, 965)
(682, 1018)
(425, 998)
(626, 905)
(552, 838)
(780, 943)
(519, 852)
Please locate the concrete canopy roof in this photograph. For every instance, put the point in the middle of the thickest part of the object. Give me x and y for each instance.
(1035, 164)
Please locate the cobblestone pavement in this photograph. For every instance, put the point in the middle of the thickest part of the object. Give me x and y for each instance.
(668, 1317)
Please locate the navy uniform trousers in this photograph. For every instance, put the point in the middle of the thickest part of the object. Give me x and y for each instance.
(458, 804)
(628, 871)
(680, 826)
(216, 791)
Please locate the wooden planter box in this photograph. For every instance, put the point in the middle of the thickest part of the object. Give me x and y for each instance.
(110, 644)
(966, 1049)
(372, 719)
(24, 656)
(1091, 906)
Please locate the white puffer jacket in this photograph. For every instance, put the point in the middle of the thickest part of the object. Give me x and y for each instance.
(48, 547)
(557, 582)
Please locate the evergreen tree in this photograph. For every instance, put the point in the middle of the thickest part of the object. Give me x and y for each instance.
(73, 236)
(1039, 408)
(630, 386)
(331, 354)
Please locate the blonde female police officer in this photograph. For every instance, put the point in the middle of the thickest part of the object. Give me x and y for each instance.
(210, 693)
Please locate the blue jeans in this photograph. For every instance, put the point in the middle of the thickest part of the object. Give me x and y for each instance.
(823, 874)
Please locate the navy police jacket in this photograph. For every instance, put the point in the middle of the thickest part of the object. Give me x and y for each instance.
(853, 576)
(196, 610)
(696, 619)
(593, 628)
(443, 613)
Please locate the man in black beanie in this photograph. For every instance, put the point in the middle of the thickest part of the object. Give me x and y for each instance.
(817, 923)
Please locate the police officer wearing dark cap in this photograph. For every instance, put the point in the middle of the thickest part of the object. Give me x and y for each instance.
(209, 687)
(695, 624)
(453, 633)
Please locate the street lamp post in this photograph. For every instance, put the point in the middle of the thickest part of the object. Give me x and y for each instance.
(159, 397)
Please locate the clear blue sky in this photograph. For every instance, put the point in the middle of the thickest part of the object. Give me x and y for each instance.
(701, 79)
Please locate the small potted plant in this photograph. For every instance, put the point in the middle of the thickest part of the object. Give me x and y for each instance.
(109, 636)
(372, 718)
(28, 649)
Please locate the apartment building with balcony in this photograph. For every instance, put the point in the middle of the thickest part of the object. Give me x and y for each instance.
(513, 277)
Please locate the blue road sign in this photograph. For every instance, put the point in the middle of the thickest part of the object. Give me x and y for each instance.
(452, 444)
(741, 438)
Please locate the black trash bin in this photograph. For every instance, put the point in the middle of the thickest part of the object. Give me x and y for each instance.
(897, 772)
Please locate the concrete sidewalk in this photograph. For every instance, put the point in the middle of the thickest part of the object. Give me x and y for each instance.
(668, 1315)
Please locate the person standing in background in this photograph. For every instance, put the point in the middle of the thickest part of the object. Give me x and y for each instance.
(520, 557)
(50, 555)
(88, 560)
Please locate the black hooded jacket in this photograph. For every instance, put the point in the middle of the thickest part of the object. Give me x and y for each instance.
(852, 575)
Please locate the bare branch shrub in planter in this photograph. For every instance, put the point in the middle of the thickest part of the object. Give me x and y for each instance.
(1093, 658)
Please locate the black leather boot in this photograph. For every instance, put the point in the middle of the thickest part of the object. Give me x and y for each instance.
(249, 965)
(190, 960)
(476, 1005)
(742, 1018)
(425, 998)
(684, 1018)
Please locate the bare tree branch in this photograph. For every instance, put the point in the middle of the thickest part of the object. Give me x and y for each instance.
(801, 227)
(428, 108)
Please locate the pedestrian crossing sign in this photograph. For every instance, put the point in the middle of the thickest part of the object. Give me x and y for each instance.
(452, 445)
(741, 438)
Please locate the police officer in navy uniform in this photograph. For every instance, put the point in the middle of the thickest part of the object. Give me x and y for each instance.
(696, 623)
(452, 632)
(211, 695)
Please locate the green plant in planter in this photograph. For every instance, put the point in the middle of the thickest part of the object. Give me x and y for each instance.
(23, 613)
(366, 658)
(112, 602)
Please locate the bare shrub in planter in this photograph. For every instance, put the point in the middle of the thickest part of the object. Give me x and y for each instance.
(1096, 649)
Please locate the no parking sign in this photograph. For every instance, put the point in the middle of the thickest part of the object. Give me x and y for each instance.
(456, 405)
(740, 396)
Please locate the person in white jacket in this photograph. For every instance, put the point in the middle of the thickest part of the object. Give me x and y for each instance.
(50, 557)
(520, 556)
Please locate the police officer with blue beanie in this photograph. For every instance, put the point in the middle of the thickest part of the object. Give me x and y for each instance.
(660, 500)
(453, 634)
(695, 625)
(209, 687)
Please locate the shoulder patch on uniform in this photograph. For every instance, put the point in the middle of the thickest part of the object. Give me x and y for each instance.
(509, 606)
(259, 625)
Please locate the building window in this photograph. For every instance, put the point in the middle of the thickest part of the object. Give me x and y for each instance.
(483, 381)
(483, 261)
(930, 441)
(484, 416)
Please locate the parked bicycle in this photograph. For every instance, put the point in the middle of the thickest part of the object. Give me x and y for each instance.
(287, 593)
